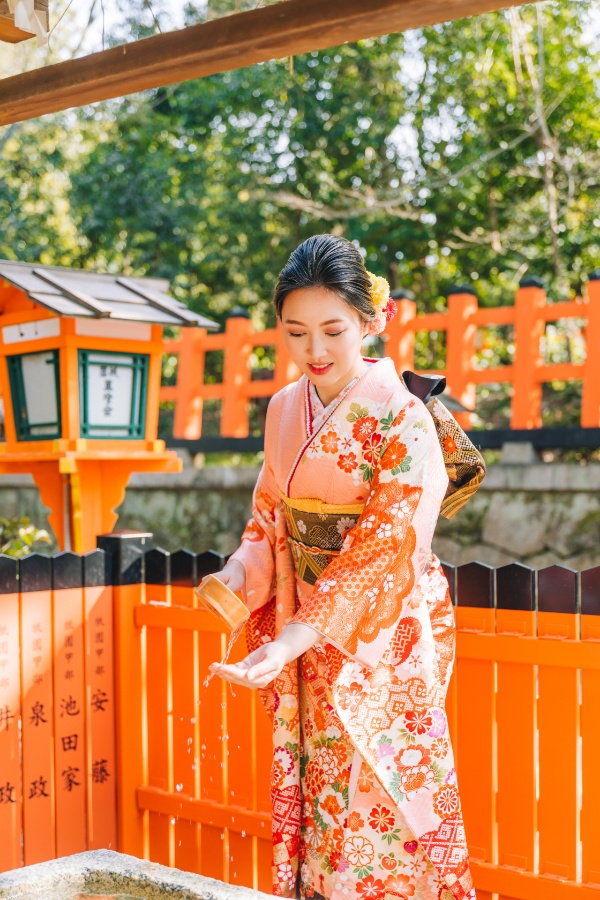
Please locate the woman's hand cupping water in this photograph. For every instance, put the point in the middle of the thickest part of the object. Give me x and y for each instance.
(265, 663)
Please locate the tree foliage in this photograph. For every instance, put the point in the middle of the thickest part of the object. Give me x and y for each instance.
(464, 152)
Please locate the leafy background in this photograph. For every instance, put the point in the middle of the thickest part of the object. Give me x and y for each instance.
(465, 153)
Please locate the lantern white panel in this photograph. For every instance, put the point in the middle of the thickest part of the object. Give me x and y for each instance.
(112, 387)
(110, 392)
(39, 384)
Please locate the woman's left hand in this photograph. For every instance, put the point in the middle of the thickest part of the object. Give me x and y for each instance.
(258, 669)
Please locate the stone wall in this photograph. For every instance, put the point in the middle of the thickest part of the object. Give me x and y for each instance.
(536, 513)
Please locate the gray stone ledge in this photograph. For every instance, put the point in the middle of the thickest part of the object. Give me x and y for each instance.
(114, 872)
(213, 478)
(568, 477)
(543, 477)
(210, 479)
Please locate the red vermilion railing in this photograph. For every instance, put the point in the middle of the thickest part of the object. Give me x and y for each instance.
(528, 371)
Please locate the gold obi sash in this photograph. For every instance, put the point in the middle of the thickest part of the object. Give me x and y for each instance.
(316, 532)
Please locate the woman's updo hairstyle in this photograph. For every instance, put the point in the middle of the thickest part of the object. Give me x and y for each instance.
(325, 260)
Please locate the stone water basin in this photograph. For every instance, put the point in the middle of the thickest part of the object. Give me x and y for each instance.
(106, 875)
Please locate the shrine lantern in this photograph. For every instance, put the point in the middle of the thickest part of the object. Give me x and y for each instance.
(80, 364)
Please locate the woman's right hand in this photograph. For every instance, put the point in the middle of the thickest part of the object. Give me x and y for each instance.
(233, 574)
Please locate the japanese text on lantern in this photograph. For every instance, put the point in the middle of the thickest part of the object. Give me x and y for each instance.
(107, 373)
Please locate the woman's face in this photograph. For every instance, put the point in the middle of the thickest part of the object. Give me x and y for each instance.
(323, 335)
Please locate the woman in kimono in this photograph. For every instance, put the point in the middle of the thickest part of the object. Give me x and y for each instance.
(351, 633)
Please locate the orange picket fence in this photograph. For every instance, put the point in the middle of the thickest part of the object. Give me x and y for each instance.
(177, 771)
(528, 317)
(57, 701)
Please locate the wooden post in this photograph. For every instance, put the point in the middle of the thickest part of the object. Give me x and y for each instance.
(236, 376)
(153, 396)
(460, 348)
(39, 789)
(159, 686)
(529, 329)
(400, 345)
(127, 555)
(590, 731)
(476, 690)
(186, 680)
(69, 704)
(516, 720)
(100, 702)
(558, 701)
(190, 380)
(590, 398)
(11, 807)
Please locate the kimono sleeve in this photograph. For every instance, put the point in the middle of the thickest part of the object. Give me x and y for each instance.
(359, 598)
(257, 549)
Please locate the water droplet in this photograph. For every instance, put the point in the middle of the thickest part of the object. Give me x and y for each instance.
(192, 721)
(173, 821)
(243, 834)
(179, 787)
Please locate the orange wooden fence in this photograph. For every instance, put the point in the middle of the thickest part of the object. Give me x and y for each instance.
(57, 723)
(528, 316)
(191, 770)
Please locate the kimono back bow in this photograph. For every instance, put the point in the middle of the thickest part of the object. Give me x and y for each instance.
(464, 463)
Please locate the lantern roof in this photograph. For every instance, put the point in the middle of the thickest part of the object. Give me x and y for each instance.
(76, 292)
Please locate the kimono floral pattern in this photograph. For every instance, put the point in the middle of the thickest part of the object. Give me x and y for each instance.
(364, 792)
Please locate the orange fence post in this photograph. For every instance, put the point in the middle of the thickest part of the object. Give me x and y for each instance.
(516, 723)
(39, 839)
(590, 397)
(529, 330)
(190, 380)
(475, 739)
(590, 731)
(558, 708)
(460, 348)
(214, 840)
(236, 377)
(126, 561)
(159, 667)
(186, 693)
(10, 712)
(69, 704)
(400, 344)
(100, 702)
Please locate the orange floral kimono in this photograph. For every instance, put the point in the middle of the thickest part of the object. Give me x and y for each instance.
(364, 794)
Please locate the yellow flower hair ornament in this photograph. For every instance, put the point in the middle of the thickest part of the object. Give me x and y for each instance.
(384, 305)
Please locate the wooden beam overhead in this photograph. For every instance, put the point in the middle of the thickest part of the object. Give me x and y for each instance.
(284, 29)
